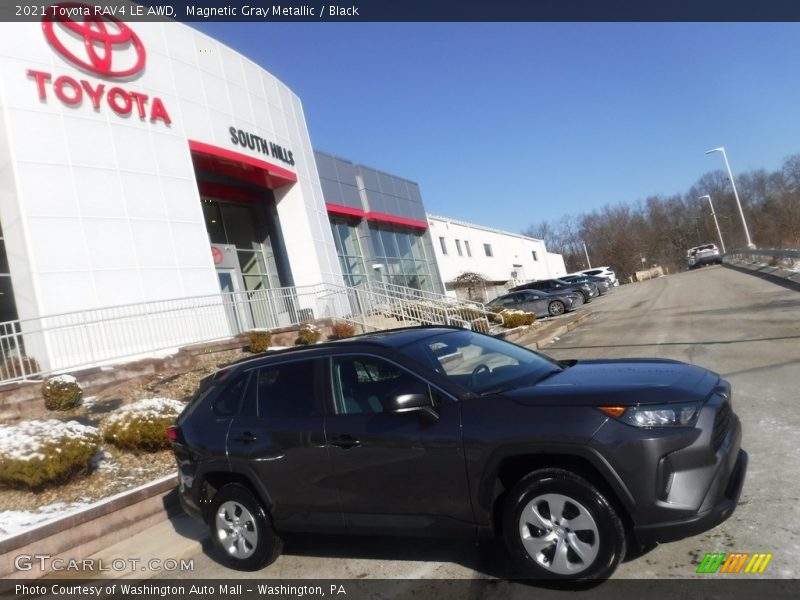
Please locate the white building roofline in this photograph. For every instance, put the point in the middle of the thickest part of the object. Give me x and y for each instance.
(481, 227)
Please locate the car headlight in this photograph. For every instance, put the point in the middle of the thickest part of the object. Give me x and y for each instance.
(667, 415)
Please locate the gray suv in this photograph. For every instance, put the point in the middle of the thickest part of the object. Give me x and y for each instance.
(448, 432)
(707, 254)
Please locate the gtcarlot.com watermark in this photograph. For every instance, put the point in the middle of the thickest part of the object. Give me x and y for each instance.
(49, 563)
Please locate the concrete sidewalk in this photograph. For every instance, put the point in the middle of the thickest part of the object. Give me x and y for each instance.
(161, 547)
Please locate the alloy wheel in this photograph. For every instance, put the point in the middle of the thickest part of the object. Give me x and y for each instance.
(236, 529)
(559, 533)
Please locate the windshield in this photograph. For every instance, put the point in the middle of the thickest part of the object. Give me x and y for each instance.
(481, 363)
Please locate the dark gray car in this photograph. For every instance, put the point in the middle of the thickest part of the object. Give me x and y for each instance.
(539, 302)
(446, 432)
(602, 283)
(587, 290)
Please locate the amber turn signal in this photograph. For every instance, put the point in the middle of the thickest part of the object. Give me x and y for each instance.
(612, 411)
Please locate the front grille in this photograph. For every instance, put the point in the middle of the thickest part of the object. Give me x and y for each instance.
(721, 424)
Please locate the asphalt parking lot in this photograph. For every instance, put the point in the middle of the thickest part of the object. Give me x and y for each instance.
(740, 326)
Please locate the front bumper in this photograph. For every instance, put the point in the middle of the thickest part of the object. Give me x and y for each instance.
(676, 530)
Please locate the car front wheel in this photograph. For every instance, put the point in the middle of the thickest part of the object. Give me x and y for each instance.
(557, 525)
(241, 531)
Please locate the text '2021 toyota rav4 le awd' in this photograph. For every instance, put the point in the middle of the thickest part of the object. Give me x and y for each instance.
(442, 431)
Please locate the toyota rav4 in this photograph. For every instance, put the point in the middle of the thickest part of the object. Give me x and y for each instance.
(440, 431)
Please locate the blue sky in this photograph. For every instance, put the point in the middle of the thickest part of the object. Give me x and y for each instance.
(511, 124)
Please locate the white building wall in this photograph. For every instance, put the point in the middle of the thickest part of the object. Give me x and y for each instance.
(556, 265)
(100, 209)
(512, 257)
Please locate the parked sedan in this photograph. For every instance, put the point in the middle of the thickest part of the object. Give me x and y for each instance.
(541, 303)
(587, 290)
(602, 283)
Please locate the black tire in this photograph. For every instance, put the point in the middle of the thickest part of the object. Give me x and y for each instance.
(250, 543)
(586, 298)
(555, 308)
(598, 532)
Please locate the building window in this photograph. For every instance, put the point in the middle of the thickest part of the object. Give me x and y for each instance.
(345, 237)
(466, 247)
(444, 245)
(458, 247)
(535, 256)
(488, 249)
(8, 307)
(401, 254)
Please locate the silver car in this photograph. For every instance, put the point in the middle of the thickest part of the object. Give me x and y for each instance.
(539, 302)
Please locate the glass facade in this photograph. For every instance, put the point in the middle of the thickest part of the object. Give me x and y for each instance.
(239, 224)
(8, 308)
(402, 254)
(345, 236)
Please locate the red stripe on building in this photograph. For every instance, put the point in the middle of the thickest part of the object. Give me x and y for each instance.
(393, 220)
(338, 209)
(239, 166)
(223, 191)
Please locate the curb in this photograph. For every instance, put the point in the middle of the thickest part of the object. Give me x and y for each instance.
(539, 338)
(562, 330)
(85, 532)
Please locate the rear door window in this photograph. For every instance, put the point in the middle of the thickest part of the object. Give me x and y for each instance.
(288, 390)
(229, 399)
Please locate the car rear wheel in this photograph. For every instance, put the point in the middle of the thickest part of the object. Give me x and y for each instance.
(241, 531)
(556, 308)
(557, 525)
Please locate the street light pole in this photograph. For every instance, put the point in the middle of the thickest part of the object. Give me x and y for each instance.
(713, 214)
(750, 243)
(586, 252)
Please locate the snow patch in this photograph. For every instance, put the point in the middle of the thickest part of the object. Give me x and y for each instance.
(147, 409)
(64, 379)
(26, 440)
(13, 522)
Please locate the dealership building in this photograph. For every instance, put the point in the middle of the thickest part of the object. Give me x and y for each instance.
(500, 258)
(146, 167)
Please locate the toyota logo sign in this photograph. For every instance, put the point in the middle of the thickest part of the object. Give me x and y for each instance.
(100, 44)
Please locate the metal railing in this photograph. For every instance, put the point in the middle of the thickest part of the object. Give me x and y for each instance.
(786, 258)
(765, 252)
(31, 348)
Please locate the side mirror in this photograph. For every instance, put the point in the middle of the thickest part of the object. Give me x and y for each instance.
(408, 403)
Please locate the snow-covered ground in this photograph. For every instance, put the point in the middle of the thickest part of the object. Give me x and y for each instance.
(13, 522)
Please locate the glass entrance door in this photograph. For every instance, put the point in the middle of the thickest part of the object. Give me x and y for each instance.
(227, 279)
(254, 231)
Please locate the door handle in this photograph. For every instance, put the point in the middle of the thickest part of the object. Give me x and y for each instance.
(345, 442)
(245, 437)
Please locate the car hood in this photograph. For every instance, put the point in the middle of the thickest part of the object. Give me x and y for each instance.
(620, 382)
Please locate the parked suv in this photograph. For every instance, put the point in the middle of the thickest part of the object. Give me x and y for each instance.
(448, 432)
(606, 272)
(707, 254)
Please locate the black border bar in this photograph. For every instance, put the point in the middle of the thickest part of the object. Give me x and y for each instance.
(261, 11)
